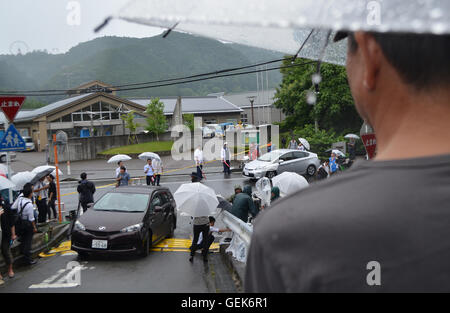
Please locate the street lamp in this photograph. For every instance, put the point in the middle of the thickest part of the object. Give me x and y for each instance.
(252, 100)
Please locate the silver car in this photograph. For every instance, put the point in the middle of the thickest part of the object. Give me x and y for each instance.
(283, 160)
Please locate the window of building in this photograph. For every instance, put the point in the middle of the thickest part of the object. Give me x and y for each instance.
(66, 118)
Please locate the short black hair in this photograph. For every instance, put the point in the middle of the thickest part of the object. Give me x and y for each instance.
(27, 190)
(422, 60)
(123, 168)
(212, 219)
(83, 175)
(51, 176)
(118, 163)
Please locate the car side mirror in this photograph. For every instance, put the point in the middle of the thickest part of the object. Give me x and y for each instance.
(158, 209)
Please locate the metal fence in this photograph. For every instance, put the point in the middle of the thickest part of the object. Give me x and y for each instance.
(242, 233)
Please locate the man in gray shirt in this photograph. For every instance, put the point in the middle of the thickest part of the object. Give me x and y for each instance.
(383, 226)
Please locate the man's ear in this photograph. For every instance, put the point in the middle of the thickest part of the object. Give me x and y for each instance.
(371, 58)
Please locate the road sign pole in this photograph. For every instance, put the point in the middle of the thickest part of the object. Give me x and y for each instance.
(57, 178)
(8, 166)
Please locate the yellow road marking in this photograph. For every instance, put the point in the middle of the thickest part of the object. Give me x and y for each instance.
(168, 245)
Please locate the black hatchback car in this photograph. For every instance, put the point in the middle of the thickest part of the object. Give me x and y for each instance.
(126, 220)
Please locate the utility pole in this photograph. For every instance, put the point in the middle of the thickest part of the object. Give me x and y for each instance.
(252, 100)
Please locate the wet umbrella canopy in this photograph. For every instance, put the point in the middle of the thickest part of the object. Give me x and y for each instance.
(288, 23)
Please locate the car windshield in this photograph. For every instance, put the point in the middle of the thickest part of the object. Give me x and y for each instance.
(271, 156)
(122, 202)
(28, 140)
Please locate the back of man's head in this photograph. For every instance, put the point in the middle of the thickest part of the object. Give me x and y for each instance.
(83, 176)
(422, 60)
(27, 190)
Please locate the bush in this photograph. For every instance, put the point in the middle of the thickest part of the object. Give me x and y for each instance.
(319, 141)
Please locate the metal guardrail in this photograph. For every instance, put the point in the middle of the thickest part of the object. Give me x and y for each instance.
(241, 229)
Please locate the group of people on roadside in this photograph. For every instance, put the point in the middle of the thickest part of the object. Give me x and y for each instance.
(152, 170)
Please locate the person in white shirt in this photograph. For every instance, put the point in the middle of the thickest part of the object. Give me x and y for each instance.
(226, 156)
(120, 164)
(301, 147)
(198, 157)
(28, 223)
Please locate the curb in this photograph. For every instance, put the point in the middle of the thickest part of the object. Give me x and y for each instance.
(53, 242)
(237, 273)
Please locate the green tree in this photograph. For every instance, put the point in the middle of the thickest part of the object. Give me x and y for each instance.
(156, 121)
(334, 107)
(131, 125)
(188, 120)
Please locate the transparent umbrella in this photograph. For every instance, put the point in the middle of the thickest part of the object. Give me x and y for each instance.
(305, 143)
(351, 136)
(118, 158)
(289, 183)
(196, 199)
(5, 183)
(288, 23)
(21, 178)
(148, 155)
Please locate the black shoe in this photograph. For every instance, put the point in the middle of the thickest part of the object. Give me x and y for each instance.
(205, 260)
(191, 259)
(32, 262)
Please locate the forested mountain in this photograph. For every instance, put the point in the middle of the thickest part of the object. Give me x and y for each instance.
(121, 60)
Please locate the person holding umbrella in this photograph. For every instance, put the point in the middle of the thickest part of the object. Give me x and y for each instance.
(52, 197)
(27, 223)
(199, 202)
(148, 170)
(41, 195)
(226, 157)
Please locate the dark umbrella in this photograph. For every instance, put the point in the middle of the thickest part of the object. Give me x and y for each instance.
(224, 204)
(40, 175)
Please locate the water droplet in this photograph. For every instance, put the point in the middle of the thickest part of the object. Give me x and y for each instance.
(311, 98)
(316, 79)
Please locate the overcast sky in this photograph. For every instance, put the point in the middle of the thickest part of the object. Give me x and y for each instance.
(58, 25)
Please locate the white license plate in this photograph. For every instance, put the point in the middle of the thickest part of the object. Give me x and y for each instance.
(99, 244)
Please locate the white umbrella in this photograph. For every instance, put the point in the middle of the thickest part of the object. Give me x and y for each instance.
(148, 155)
(289, 183)
(196, 200)
(5, 183)
(351, 136)
(21, 178)
(338, 152)
(305, 143)
(43, 168)
(119, 157)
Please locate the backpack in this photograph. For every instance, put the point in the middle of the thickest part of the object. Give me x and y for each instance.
(21, 224)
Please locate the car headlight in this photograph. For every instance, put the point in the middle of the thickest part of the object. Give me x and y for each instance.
(79, 226)
(132, 228)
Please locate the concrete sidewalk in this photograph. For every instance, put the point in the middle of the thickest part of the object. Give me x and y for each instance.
(101, 170)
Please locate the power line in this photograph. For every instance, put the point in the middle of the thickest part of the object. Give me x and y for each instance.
(183, 81)
(144, 83)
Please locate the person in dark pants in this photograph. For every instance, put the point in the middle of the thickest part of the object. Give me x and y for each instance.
(28, 224)
(7, 216)
(52, 197)
(226, 156)
(201, 225)
(148, 170)
(86, 189)
(210, 238)
(40, 191)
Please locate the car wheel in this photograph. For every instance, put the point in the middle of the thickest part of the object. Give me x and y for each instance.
(3, 159)
(311, 170)
(271, 174)
(146, 245)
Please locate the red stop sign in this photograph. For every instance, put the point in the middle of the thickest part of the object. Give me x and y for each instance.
(370, 142)
(11, 105)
